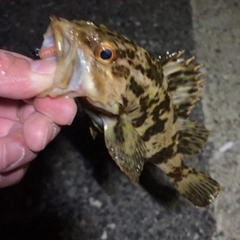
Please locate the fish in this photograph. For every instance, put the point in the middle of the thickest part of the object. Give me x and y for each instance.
(141, 104)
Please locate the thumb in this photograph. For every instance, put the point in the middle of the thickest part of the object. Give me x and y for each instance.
(22, 77)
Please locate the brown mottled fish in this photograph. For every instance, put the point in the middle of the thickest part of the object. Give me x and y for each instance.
(141, 104)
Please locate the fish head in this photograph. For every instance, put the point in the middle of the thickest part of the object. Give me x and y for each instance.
(88, 63)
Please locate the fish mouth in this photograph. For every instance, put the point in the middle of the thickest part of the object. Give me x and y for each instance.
(65, 43)
(61, 38)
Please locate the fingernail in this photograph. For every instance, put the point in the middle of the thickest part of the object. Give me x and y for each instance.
(43, 66)
(50, 134)
(14, 153)
(54, 131)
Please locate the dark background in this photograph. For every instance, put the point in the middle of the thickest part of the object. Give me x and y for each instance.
(73, 190)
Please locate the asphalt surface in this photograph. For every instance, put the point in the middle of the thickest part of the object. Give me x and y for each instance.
(73, 190)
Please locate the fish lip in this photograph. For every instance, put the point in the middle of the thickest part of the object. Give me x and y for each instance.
(66, 51)
(69, 58)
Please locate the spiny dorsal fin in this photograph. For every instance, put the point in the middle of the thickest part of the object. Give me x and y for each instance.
(183, 81)
(192, 137)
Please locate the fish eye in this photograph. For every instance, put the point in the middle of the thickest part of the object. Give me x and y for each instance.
(106, 52)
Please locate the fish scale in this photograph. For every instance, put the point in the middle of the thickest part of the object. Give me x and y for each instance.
(141, 104)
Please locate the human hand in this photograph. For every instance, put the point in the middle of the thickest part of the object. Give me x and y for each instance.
(27, 123)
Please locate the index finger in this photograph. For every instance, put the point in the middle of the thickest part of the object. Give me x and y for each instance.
(22, 77)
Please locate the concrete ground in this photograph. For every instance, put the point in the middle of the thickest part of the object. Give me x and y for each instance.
(73, 190)
(217, 40)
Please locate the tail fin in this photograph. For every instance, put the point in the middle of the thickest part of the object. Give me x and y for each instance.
(199, 188)
(183, 82)
(191, 137)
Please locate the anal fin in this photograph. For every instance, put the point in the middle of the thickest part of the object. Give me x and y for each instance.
(192, 137)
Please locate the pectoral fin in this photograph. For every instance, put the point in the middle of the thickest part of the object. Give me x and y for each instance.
(125, 146)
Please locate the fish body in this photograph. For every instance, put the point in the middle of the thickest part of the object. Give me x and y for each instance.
(141, 104)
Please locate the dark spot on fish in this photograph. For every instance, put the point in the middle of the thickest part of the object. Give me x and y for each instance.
(182, 110)
(165, 104)
(153, 101)
(144, 103)
(135, 87)
(175, 116)
(175, 80)
(121, 71)
(185, 142)
(156, 113)
(130, 62)
(175, 74)
(179, 75)
(140, 68)
(165, 153)
(176, 174)
(118, 130)
(154, 73)
(192, 90)
(125, 101)
(122, 54)
(138, 122)
(123, 106)
(130, 54)
(154, 70)
(156, 128)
